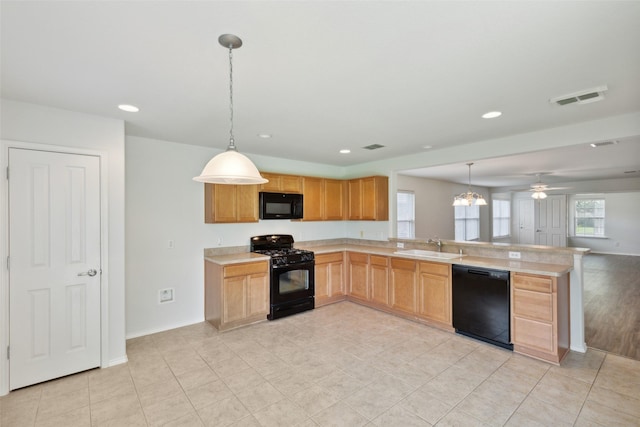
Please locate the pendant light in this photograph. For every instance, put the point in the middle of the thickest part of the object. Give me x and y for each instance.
(469, 198)
(230, 167)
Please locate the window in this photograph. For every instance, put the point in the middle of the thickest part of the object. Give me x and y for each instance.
(467, 222)
(501, 218)
(406, 214)
(589, 217)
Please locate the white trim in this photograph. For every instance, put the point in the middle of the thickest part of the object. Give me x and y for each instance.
(4, 249)
(164, 329)
(576, 305)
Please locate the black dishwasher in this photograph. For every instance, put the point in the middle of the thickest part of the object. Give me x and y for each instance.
(481, 306)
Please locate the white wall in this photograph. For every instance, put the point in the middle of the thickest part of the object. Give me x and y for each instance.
(42, 125)
(434, 210)
(622, 227)
(163, 203)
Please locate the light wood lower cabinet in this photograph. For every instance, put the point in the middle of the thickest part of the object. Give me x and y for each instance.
(540, 315)
(403, 285)
(329, 278)
(358, 275)
(237, 294)
(434, 292)
(379, 279)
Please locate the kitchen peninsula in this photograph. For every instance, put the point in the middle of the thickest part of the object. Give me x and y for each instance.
(383, 276)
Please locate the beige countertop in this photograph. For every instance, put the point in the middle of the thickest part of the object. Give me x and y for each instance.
(475, 261)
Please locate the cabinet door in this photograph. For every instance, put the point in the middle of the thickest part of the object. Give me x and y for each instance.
(312, 193)
(291, 184)
(221, 202)
(247, 203)
(336, 279)
(322, 277)
(355, 199)
(358, 275)
(368, 196)
(403, 285)
(234, 303)
(257, 294)
(435, 297)
(334, 199)
(274, 184)
(379, 287)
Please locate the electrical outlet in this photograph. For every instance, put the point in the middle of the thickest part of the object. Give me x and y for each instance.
(170, 244)
(400, 245)
(514, 255)
(165, 295)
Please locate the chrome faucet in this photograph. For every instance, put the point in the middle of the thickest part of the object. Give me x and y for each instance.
(437, 242)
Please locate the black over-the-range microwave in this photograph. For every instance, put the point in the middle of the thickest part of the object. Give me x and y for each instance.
(280, 206)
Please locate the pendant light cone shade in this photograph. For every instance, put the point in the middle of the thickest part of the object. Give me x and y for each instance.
(230, 167)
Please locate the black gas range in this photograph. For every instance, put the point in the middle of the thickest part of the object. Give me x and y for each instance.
(292, 274)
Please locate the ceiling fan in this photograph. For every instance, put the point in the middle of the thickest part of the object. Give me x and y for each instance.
(539, 188)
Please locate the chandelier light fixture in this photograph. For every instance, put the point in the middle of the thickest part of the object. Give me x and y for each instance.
(469, 198)
(230, 167)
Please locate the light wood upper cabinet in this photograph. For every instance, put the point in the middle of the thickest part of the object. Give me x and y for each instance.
(403, 285)
(434, 292)
(540, 315)
(369, 198)
(230, 203)
(312, 198)
(280, 183)
(325, 199)
(329, 279)
(334, 193)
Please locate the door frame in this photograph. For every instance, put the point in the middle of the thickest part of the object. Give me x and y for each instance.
(5, 145)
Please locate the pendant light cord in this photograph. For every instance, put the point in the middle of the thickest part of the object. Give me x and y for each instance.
(232, 145)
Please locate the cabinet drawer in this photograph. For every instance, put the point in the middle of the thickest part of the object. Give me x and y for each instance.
(327, 258)
(534, 305)
(403, 264)
(379, 260)
(534, 334)
(246, 269)
(358, 257)
(433, 268)
(533, 283)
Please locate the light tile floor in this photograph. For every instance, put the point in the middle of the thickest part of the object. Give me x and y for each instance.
(339, 365)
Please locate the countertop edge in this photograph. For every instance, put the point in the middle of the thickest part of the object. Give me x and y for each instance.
(554, 270)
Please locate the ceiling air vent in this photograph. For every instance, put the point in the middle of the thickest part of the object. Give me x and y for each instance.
(373, 147)
(602, 144)
(583, 97)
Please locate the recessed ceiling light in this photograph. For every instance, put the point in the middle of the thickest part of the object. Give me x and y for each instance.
(345, 151)
(427, 147)
(265, 135)
(128, 108)
(491, 115)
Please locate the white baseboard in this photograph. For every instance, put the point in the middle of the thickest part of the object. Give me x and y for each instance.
(137, 334)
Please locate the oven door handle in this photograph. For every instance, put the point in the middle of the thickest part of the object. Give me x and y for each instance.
(299, 266)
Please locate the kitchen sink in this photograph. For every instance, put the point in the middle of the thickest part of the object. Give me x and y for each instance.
(427, 254)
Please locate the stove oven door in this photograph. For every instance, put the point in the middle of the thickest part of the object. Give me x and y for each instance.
(292, 282)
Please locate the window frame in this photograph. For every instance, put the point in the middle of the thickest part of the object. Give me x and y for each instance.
(412, 221)
(502, 219)
(601, 218)
(466, 220)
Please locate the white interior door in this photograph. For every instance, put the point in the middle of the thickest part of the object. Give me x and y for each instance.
(551, 221)
(526, 223)
(54, 274)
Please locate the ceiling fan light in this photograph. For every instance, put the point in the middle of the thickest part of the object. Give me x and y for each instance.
(539, 195)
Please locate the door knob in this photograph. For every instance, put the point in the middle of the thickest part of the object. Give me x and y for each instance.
(89, 273)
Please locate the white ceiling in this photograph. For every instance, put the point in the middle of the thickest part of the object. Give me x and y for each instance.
(322, 76)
